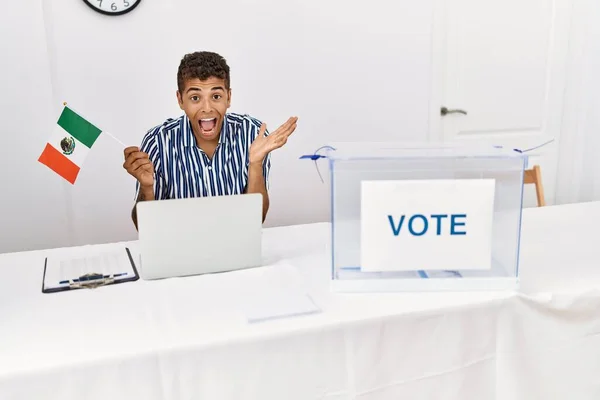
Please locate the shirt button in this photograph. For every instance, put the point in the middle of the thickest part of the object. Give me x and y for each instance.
(210, 168)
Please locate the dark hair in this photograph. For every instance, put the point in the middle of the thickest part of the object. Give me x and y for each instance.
(202, 65)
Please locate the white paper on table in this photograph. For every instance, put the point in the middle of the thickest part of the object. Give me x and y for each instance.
(276, 292)
(60, 270)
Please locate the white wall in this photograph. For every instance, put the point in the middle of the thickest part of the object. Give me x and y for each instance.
(349, 70)
(33, 212)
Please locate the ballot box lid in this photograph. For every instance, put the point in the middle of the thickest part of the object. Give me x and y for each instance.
(391, 150)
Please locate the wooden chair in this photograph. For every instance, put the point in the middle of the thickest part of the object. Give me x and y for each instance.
(534, 176)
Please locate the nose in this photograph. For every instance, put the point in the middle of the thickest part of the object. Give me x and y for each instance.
(205, 104)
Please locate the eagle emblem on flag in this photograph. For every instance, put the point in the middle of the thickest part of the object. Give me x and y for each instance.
(67, 145)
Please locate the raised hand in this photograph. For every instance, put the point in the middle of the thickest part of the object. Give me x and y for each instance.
(263, 145)
(138, 164)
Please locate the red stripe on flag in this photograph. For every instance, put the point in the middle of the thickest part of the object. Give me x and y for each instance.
(58, 163)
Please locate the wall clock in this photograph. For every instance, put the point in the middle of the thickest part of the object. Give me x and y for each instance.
(113, 7)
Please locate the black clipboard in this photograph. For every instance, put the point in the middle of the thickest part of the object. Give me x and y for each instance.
(91, 282)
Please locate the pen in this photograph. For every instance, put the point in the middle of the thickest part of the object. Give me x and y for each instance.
(94, 277)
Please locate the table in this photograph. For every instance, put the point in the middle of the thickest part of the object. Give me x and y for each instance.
(187, 338)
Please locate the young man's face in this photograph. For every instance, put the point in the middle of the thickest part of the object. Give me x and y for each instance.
(205, 103)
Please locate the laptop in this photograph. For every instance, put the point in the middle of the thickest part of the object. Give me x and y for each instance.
(183, 237)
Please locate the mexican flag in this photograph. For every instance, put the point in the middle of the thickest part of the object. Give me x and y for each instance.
(69, 145)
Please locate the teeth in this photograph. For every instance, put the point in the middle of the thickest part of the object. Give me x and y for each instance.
(207, 119)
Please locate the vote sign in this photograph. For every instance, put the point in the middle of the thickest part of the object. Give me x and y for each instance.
(426, 224)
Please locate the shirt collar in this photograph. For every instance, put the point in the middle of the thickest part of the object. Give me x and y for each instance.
(188, 133)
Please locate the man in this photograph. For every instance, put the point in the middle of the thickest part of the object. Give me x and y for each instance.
(207, 151)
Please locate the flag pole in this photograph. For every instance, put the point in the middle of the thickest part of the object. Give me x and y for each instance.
(103, 132)
(114, 138)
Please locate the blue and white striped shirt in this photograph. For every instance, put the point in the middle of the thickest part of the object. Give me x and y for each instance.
(183, 170)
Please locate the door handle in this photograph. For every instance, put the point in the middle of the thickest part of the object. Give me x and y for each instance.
(445, 110)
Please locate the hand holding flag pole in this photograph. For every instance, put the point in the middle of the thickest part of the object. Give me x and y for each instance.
(70, 143)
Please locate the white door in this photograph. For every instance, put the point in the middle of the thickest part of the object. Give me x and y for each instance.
(502, 63)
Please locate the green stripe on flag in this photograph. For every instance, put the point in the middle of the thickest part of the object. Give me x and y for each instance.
(78, 127)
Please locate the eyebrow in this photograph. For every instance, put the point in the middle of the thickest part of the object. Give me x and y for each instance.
(215, 88)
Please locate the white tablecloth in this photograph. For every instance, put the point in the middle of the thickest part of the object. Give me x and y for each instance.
(188, 338)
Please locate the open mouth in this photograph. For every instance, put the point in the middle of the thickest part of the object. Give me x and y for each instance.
(208, 124)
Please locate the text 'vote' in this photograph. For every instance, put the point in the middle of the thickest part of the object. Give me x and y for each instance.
(438, 224)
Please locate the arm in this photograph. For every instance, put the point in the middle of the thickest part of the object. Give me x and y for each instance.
(256, 184)
(259, 162)
(141, 166)
(145, 194)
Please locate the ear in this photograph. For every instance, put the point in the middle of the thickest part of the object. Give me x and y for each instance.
(228, 97)
(179, 99)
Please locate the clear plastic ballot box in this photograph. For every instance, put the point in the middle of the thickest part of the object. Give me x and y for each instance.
(425, 217)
